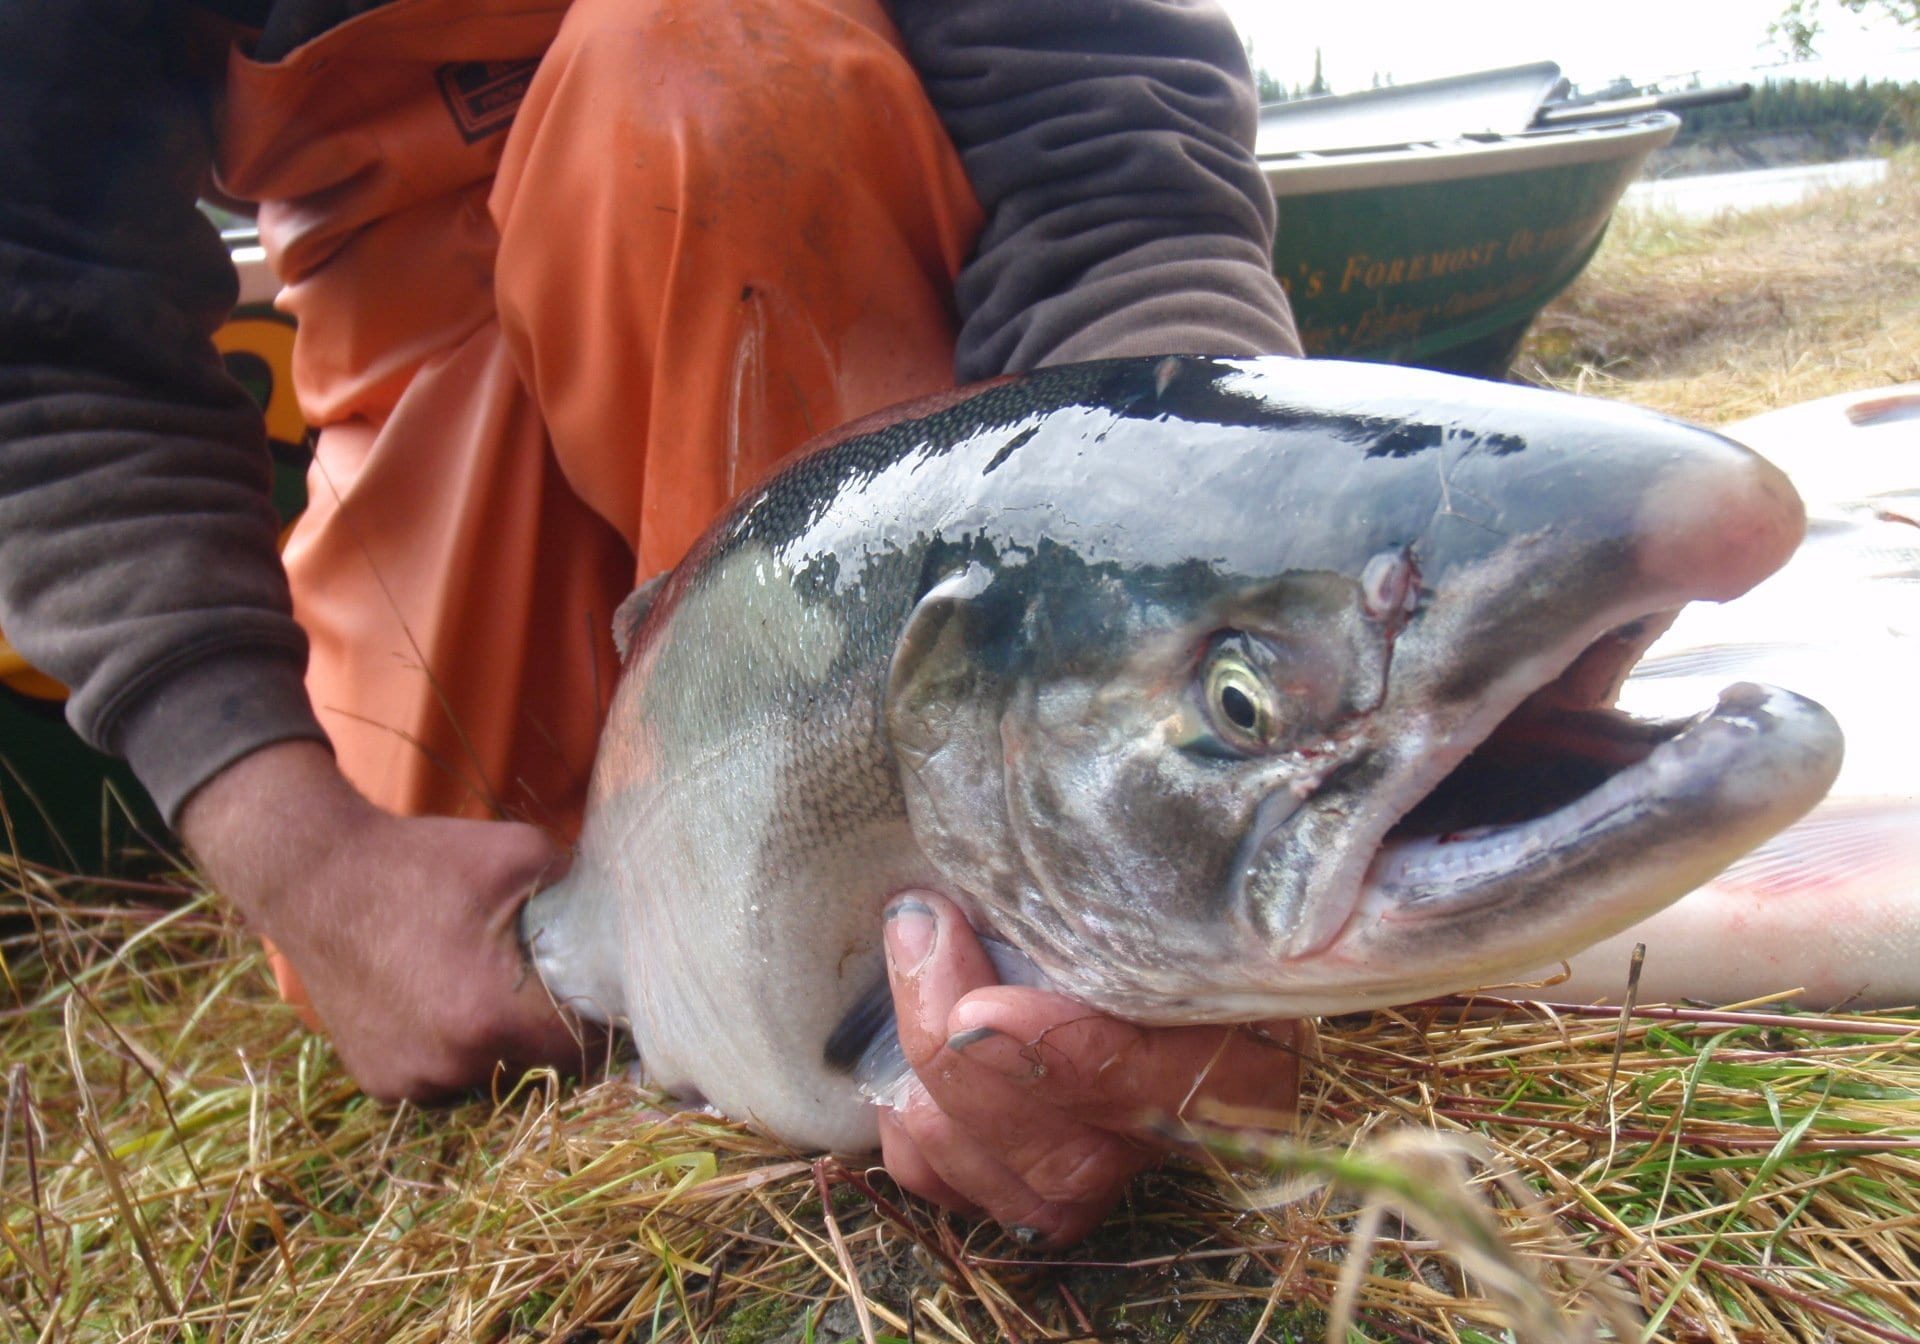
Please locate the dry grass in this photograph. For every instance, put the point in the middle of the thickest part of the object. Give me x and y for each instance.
(1717, 321)
(178, 1161)
(181, 1162)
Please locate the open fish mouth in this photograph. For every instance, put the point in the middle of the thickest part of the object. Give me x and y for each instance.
(1567, 821)
(1552, 753)
(1573, 781)
(1572, 820)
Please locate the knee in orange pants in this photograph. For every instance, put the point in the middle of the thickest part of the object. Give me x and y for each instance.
(759, 201)
(714, 230)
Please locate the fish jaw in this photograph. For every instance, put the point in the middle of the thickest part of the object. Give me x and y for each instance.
(1442, 913)
(1830, 907)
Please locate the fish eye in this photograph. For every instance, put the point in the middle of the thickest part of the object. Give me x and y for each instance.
(1239, 701)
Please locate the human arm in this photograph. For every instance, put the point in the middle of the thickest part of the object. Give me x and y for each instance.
(138, 564)
(1110, 146)
(404, 929)
(137, 545)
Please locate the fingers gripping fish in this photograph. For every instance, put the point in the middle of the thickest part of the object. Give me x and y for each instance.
(1215, 689)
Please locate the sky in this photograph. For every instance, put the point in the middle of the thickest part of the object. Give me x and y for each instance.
(1593, 42)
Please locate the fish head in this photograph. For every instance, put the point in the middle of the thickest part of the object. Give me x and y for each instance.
(1297, 699)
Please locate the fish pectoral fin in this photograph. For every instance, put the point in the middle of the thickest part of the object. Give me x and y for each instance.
(1878, 410)
(866, 1046)
(631, 614)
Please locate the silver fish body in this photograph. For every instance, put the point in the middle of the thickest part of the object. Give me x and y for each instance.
(1830, 907)
(1186, 678)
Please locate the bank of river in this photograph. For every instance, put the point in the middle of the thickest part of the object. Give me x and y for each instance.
(1714, 319)
(1711, 194)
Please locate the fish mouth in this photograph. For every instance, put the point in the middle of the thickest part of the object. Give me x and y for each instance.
(1547, 786)
(1560, 744)
(1572, 820)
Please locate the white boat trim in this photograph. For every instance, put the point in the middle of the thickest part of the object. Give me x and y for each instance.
(1316, 172)
(257, 281)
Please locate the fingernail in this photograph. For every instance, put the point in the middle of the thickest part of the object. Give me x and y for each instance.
(960, 1040)
(997, 1051)
(910, 930)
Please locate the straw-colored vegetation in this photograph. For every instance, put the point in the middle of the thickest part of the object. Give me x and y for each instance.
(179, 1161)
(182, 1162)
(1720, 320)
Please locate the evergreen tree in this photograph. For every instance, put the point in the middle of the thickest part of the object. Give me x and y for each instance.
(1265, 87)
(1879, 108)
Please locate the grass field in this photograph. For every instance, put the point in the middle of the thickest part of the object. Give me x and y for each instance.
(179, 1161)
(1721, 320)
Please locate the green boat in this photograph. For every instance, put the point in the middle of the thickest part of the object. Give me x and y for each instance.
(1424, 224)
(1429, 223)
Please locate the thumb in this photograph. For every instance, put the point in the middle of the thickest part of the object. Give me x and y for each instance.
(933, 961)
(506, 862)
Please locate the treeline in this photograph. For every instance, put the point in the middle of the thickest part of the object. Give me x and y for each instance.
(1883, 109)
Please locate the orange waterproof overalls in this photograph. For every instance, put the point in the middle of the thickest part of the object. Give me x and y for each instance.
(568, 279)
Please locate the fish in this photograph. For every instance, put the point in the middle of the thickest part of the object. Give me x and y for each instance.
(1828, 910)
(1211, 690)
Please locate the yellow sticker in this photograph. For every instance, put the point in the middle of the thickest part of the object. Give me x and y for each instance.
(270, 340)
(18, 674)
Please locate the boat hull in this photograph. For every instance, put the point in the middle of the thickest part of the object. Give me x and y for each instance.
(1441, 254)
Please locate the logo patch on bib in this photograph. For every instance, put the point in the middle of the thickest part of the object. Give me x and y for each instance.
(484, 95)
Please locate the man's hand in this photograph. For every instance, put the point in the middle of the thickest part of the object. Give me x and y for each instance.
(402, 929)
(1032, 1108)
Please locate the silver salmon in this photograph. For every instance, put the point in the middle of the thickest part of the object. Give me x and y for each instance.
(1214, 689)
(1830, 907)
